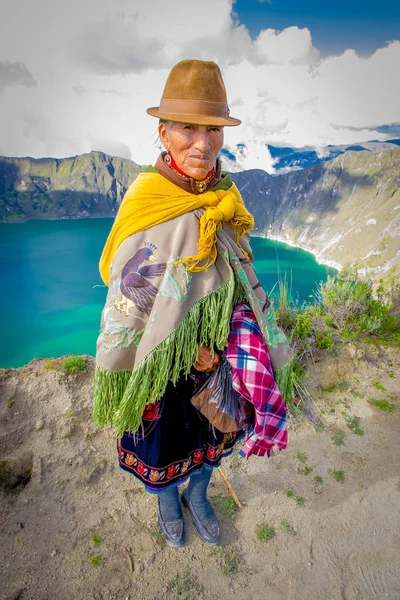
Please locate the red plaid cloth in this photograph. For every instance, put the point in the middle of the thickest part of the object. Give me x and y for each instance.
(253, 378)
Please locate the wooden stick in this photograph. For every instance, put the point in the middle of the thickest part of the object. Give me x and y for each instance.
(228, 485)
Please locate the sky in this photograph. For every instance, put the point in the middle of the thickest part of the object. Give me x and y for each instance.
(78, 76)
(334, 26)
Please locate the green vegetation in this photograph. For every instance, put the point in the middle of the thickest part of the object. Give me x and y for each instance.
(264, 532)
(303, 325)
(306, 470)
(344, 309)
(383, 404)
(226, 506)
(228, 559)
(300, 501)
(353, 423)
(184, 586)
(52, 364)
(337, 475)
(302, 457)
(74, 364)
(324, 341)
(318, 479)
(96, 560)
(158, 536)
(95, 538)
(287, 527)
(343, 386)
(379, 341)
(354, 307)
(330, 388)
(379, 386)
(338, 437)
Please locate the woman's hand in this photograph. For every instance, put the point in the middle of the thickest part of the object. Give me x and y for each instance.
(206, 361)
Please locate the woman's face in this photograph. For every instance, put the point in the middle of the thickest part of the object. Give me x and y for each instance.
(194, 147)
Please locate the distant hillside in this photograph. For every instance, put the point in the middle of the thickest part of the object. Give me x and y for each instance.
(88, 185)
(346, 210)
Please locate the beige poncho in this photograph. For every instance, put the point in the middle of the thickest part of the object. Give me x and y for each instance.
(158, 310)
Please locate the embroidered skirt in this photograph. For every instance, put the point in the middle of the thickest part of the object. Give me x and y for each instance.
(174, 442)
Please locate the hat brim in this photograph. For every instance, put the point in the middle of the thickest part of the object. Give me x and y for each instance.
(194, 119)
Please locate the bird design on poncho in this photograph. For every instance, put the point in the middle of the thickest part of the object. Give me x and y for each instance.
(135, 284)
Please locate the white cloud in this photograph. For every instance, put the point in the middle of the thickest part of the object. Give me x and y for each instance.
(116, 45)
(291, 45)
(85, 82)
(360, 92)
(253, 155)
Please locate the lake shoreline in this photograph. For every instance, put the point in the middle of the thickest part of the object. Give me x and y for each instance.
(321, 261)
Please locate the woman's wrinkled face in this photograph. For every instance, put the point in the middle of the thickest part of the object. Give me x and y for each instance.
(194, 147)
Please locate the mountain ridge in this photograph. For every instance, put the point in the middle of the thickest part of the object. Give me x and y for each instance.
(91, 184)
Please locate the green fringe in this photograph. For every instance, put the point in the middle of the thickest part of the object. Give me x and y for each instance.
(285, 381)
(120, 397)
(131, 391)
(109, 387)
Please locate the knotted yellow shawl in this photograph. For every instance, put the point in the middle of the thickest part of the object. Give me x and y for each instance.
(151, 199)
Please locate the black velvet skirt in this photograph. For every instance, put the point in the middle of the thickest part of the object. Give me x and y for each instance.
(174, 441)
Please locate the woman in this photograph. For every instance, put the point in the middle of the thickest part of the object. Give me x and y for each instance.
(177, 263)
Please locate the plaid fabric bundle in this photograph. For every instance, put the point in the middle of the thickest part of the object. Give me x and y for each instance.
(252, 377)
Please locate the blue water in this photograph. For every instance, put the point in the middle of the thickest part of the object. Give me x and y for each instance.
(52, 294)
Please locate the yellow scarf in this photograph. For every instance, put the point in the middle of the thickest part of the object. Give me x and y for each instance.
(151, 199)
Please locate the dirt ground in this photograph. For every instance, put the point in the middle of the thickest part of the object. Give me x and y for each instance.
(75, 527)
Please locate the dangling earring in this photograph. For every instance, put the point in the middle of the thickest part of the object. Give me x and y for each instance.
(167, 157)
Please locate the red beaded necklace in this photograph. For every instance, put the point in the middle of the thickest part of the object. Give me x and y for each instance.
(201, 184)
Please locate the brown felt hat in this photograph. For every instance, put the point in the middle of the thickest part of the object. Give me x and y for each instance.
(194, 93)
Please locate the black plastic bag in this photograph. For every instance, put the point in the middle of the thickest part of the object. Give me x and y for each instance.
(216, 399)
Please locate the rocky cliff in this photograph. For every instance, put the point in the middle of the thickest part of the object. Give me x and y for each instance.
(346, 210)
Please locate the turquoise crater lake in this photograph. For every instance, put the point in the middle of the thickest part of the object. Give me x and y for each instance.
(52, 292)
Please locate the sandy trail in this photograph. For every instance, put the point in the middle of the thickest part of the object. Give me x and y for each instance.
(346, 544)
